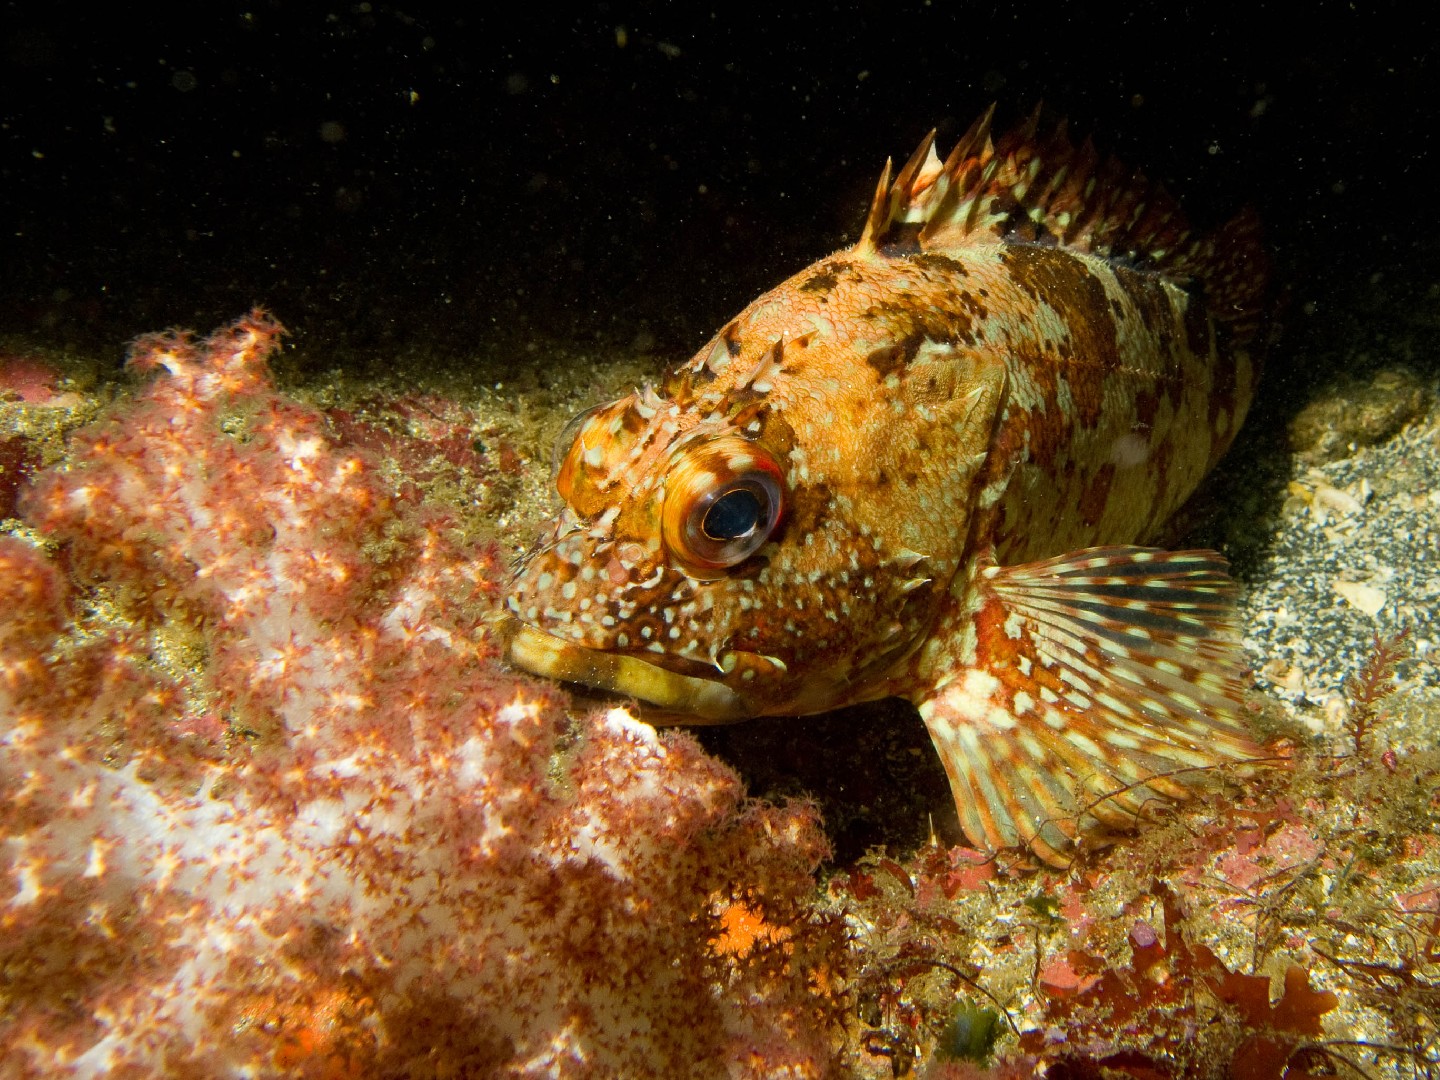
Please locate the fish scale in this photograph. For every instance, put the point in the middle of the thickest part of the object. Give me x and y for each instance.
(922, 467)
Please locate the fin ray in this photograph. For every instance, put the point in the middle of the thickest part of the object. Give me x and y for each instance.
(1102, 682)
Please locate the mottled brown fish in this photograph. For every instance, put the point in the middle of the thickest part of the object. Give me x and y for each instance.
(915, 468)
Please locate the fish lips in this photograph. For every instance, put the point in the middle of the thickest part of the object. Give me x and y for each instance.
(686, 698)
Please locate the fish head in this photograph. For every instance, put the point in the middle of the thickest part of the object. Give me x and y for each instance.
(745, 540)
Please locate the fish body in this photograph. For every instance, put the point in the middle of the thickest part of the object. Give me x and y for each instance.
(918, 468)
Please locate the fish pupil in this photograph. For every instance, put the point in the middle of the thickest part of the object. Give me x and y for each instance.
(733, 515)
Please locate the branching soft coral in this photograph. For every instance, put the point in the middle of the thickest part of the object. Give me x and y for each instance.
(281, 812)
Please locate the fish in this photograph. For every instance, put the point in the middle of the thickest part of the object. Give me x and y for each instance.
(928, 466)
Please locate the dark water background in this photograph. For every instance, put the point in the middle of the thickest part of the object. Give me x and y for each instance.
(386, 175)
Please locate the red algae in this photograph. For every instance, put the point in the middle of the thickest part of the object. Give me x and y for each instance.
(27, 379)
(18, 460)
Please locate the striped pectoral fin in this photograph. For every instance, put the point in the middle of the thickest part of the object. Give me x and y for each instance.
(1100, 681)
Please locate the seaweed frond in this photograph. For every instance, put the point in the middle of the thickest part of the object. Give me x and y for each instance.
(1374, 682)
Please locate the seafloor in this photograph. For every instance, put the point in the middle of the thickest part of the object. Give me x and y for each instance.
(1321, 878)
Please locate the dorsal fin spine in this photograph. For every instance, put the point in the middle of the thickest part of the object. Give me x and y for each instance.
(878, 216)
(1023, 187)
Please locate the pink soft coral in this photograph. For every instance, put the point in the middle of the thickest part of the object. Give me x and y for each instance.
(281, 811)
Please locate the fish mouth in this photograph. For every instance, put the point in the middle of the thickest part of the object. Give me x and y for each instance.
(702, 700)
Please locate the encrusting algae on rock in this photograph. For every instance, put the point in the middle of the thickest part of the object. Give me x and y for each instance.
(918, 468)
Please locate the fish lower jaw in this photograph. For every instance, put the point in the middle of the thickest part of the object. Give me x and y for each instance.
(693, 700)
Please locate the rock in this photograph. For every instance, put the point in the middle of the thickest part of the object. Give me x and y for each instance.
(1357, 412)
(1367, 598)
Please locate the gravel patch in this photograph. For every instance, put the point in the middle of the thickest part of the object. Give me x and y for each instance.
(1355, 552)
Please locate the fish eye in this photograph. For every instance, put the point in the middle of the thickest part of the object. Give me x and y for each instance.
(731, 521)
(722, 502)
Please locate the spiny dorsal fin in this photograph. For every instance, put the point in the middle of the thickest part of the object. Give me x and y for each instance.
(1103, 680)
(1028, 187)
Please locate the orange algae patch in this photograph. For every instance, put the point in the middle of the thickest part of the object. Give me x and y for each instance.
(324, 1035)
(742, 927)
